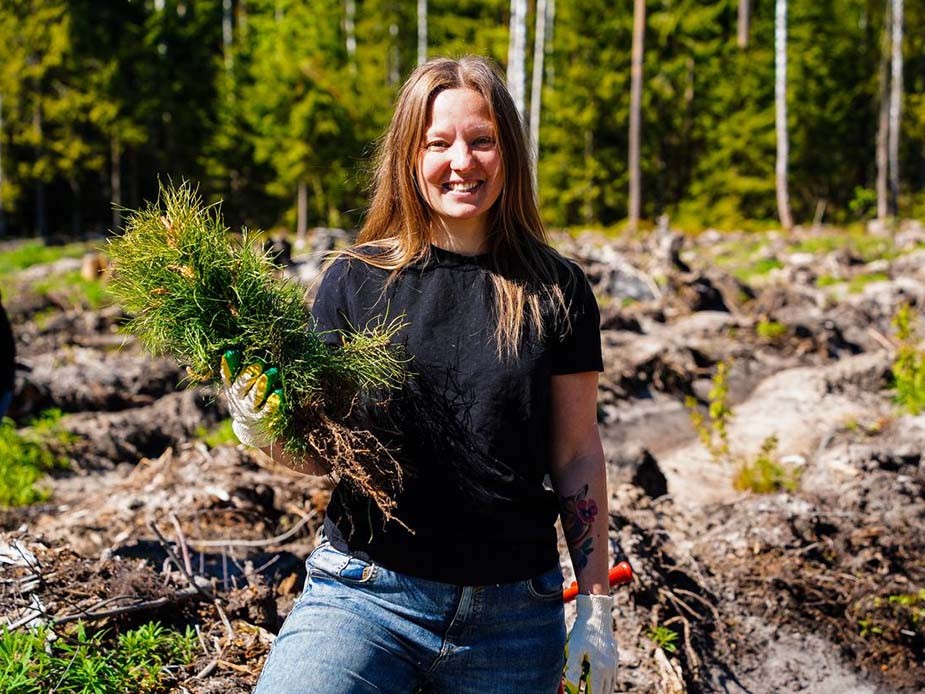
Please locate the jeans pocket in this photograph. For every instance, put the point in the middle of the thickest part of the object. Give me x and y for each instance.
(546, 587)
(329, 561)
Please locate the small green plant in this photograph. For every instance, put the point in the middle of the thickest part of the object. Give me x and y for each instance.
(908, 369)
(713, 429)
(765, 474)
(140, 660)
(219, 435)
(770, 330)
(663, 637)
(27, 454)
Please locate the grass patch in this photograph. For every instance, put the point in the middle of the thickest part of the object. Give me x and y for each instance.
(37, 253)
(141, 660)
(26, 455)
(219, 435)
(857, 284)
(72, 290)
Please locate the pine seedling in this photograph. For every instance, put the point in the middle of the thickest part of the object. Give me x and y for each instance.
(194, 292)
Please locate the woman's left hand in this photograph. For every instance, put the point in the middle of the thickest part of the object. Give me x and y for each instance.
(591, 649)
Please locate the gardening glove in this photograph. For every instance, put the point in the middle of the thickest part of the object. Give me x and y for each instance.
(252, 396)
(591, 650)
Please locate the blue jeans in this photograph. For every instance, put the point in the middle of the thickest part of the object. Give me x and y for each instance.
(359, 627)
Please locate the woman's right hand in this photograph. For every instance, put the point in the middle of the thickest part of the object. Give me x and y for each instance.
(252, 397)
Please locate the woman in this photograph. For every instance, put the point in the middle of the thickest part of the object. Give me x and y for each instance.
(465, 593)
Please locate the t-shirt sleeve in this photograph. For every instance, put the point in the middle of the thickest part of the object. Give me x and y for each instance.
(331, 309)
(578, 346)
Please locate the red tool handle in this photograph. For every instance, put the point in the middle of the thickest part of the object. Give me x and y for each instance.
(618, 575)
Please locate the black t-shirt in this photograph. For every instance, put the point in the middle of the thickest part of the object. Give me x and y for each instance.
(470, 430)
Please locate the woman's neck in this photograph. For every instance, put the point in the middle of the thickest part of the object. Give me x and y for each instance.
(465, 239)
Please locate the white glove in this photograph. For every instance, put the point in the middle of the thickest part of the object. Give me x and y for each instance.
(251, 398)
(591, 650)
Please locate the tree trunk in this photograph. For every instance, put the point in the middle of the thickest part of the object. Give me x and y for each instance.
(516, 54)
(780, 99)
(394, 56)
(227, 34)
(41, 219)
(422, 32)
(883, 122)
(896, 98)
(301, 228)
(743, 23)
(2, 213)
(115, 181)
(639, 26)
(536, 86)
(350, 14)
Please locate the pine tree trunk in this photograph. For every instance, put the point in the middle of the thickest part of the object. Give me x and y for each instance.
(115, 181)
(780, 99)
(883, 122)
(896, 98)
(516, 54)
(639, 25)
(422, 32)
(41, 219)
(536, 86)
(743, 23)
(2, 213)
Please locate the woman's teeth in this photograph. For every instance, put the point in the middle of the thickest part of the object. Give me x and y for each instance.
(462, 187)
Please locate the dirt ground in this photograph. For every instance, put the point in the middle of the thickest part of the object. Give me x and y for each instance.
(820, 589)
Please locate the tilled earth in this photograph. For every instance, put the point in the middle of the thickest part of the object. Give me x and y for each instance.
(817, 590)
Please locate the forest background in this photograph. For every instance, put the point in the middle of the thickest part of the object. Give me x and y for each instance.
(274, 106)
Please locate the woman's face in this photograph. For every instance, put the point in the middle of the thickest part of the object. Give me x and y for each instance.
(459, 169)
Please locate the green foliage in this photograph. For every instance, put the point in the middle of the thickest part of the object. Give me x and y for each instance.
(220, 435)
(94, 92)
(664, 637)
(140, 660)
(908, 369)
(764, 474)
(27, 454)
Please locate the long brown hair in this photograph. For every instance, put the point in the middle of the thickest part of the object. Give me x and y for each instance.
(399, 221)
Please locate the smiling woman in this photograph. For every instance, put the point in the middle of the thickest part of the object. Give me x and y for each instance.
(465, 593)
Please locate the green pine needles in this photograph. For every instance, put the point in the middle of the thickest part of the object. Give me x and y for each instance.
(194, 292)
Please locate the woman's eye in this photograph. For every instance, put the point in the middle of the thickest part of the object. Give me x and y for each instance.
(484, 142)
(436, 145)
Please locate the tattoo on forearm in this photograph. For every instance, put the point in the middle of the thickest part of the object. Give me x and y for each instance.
(578, 514)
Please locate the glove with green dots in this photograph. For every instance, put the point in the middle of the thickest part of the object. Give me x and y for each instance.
(252, 396)
(591, 652)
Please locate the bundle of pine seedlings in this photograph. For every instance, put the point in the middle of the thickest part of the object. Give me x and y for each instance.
(194, 291)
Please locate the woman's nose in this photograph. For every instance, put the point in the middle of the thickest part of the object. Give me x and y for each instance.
(461, 158)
